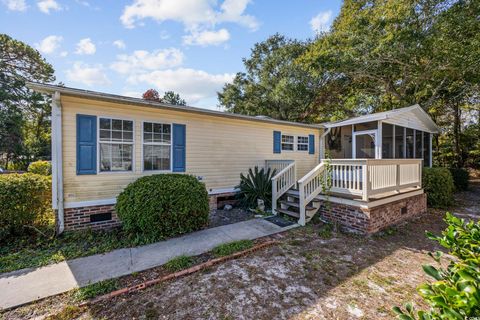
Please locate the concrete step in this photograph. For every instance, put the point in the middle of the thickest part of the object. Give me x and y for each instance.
(296, 205)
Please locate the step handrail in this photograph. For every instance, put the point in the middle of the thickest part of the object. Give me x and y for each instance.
(310, 186)
(282, 182)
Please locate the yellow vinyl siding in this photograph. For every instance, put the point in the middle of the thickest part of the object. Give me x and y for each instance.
(217, 148)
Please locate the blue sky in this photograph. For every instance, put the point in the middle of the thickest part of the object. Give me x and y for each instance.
(126, 47)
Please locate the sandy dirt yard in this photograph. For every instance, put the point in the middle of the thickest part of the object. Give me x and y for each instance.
(308, 275)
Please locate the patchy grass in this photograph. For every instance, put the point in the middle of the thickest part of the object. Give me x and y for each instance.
(325, 231)
(179, 263)
(28, 251)
(67, 313)
(95, 289)
(232, 247)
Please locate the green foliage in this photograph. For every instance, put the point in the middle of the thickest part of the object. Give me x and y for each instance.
(40, 167)
(256, 185)
(173, 98)
(460, 178)
(275, 85)
(24, 115)
(232, 247)
(179, 263)
(438, 184)
(25, 201)
(455, 291)
(95, 289)
(163, 205)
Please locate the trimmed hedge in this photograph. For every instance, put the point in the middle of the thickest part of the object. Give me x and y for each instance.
(41, 167)
(163, 205)
(460, 178)
(25, 199)
(438, 184)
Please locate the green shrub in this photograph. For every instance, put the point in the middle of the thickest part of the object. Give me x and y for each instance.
(460, 178)
(256, 185)
(438, 184)
(454, 292)
(232, 247)
(41, 167)
(25, 200)
(163, 205)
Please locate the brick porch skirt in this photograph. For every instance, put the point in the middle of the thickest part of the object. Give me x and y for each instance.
(370, 220)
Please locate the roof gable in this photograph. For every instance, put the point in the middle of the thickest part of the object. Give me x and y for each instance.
(411, 117)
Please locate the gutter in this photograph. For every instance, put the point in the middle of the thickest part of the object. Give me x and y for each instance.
(57, 163)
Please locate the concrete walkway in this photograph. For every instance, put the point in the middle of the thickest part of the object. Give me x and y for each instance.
(27, 285)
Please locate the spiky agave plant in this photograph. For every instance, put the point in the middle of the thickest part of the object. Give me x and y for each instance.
(256, 185)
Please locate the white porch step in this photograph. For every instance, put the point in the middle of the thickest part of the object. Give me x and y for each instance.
(295, 194)
(295, 214)
(296, 204)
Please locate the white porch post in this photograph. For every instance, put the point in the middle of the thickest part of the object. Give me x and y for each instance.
(431, 154)
(379, 140)
(354, 144)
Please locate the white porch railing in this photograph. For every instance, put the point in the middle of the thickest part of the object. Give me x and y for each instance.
(369, 177)
(309, 187)
(285, 178)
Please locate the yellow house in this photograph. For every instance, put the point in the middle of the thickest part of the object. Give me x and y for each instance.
(102, 142)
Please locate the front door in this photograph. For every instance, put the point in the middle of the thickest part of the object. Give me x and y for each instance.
(364, 143)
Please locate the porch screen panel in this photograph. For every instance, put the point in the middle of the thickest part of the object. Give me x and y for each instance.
(410, 143)
(418, 144)
(399, 145)
(426, 149)
(387, 141)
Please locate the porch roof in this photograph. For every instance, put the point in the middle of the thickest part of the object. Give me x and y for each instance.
(411, 117)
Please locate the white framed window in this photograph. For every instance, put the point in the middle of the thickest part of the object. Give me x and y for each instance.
(115, 145)
(157, 146)
(302, 143)
(288, 142)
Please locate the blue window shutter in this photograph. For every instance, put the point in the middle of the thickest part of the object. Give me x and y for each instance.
(277, 137)
(86, 144)
(179, 142)
(311, 144)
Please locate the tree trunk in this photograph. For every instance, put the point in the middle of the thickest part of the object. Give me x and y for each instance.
(456, 135)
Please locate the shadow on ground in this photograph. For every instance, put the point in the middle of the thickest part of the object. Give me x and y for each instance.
(306, 276)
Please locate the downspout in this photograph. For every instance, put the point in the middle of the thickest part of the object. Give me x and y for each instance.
(57, 166)
(322, 144)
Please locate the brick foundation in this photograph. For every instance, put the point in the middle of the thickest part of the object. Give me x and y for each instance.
(80, 218)
(371, 220)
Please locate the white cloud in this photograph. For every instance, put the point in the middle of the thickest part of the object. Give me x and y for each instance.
(15, 5)
(85, 46)
(120, 44)
(49, 44)
(197, 16)
(206, 38)
(321, 22)
(142, 61)
(63, 53)
(193, 85)
(87, 75)
(46, 5)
